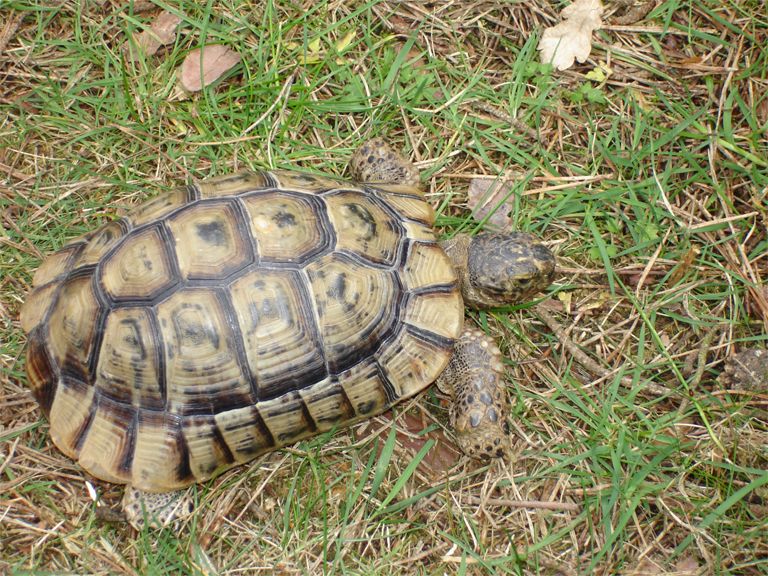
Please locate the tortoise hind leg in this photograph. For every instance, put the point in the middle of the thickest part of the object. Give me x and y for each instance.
(475, 379)
(156, 510)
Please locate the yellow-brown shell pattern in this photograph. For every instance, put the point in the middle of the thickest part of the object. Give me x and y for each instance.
(228, 318)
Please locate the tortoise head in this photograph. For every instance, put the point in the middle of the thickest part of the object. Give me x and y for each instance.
(500, 269)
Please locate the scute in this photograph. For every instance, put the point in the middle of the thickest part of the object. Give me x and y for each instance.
(233, 184)
(357, 307)
(42, 372)
(203, 369)
(57, 264)
(244, 431)
(159, 207)
(426, 265)
(234, 316)
(128, 368)
(365, 228)
(287, 419)
(106, 448)
(426, 311)
(161, 457)
(102, 242)
(288, 227)
(208, 451)
(37, 305)
(304, 181)
(141, 269)
(276, 319)
(327, 404)
(71, 413)
(409, 206)
(411, 361)
(72, 326)
(211, 240)
(367, 390)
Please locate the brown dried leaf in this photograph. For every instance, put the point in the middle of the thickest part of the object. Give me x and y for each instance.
(687, 566)
(198, 71)
(684, 265)
(571, 39)
(410, 436)
(761, 111)
(440, 458)
(646, 567)
(492, 197)
(162, 32)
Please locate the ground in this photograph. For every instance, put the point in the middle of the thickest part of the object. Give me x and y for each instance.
(644, 169)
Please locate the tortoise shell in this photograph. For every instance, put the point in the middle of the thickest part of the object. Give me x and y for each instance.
(228, 318)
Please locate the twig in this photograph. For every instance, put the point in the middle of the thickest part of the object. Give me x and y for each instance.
(536, 504)
(9, 31)
(633, 13)
(587, 362)
(501, 115)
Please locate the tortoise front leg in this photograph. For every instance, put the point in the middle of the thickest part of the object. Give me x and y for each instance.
(475, 380)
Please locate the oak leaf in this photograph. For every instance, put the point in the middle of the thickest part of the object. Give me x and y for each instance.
(571, 39)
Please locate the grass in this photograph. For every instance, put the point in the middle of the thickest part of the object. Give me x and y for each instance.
(650, 185)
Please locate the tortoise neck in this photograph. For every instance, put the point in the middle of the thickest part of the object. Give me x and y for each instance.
(457, 249)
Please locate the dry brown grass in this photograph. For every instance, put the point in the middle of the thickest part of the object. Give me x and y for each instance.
(630, 457)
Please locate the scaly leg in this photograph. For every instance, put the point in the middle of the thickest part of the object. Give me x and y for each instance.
(158, 509)
(475, 379)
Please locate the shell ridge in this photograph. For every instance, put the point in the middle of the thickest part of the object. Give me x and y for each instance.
(194, 194)
(238, 343)
(218, 438)
(101, 322)
(37, 350)
(311, 423)
(246, 232)
(389, 389)
(184, 466)
(270, 179)
(80, 436)
(125, 464)
(312, 305)
(169, 241)
(160, 356)
(334, 381)
(52, 301)
(429, 336)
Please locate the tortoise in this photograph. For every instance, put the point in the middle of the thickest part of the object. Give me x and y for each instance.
(228, 318)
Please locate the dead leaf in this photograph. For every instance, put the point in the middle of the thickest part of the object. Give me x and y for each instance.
(492, 197)
(687, 566)
(683, 265)
(567, 299)
(148, 42)
(345, 42)
(571, 39)
(692, 61)
(440, 458)
(411, 437)
(646, 567)
(761, 112)
(204, 66)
